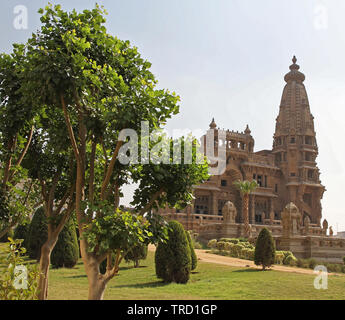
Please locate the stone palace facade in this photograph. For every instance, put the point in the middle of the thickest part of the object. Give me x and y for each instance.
(287, 175)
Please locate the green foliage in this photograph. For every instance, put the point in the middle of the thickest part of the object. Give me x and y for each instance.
(290, 260)
(192, 251)
(122, 230)
(212, 244)
(19, 281)
(173, 258)
(21, 232)
(66, 251)
(37, 234)
(264, 249)
(246, 187)
(9, 234)
(344, 260)
(279, 258)
(136, 253)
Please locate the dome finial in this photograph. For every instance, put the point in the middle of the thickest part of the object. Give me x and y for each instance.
(213, 124)
(294, 59)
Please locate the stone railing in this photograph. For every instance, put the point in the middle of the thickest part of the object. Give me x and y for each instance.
(262, 160)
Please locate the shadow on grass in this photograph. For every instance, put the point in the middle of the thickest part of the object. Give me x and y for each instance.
(250, 270)
(153, 284)
(77, 276)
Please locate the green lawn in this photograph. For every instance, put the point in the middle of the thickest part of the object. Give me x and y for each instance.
(209, 281)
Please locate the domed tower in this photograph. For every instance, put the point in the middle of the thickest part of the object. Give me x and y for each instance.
(295, 148)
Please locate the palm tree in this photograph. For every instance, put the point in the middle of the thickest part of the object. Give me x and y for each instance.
(246, 188)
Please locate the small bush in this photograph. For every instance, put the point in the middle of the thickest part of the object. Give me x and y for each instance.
(312, 263)
(37, 234)
(21, 232)
(279, 258)
(173, 258)
(137, 253)
(264, 250)
(221, 245)
(290, 260)
(212, 244)
(192, 251)
(344, 260)
(66, 251)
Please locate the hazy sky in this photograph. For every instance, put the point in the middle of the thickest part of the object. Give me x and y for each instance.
(227, 59)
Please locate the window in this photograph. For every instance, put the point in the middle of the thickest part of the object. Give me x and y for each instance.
(292, 140)
(265, 181)
(223, 183)
(308, 140)
(259, 181)
(293, 174)
(310, 174)
(276, 188)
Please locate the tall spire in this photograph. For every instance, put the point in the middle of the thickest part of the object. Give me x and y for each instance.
(295, 146)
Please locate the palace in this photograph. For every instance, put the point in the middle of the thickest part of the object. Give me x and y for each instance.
(287, 175)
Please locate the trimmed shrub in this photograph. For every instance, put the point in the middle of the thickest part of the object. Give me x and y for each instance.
(37, 234)
(312, 263)
(173, 257)
(221, 245)
(21, 232)
(212, 244)
(192, 251)
(264, 250)
(137, 253)
(66, 250)
(279, 258)
(290, 260)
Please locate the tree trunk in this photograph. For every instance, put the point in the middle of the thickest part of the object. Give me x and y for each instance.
(46, 251)
(97, 283)
(246, 214)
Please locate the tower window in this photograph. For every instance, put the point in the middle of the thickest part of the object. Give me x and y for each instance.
(293, 174)
(276, 188)
(259, 181)
(223, 183)
(308, 140)
(292, 140)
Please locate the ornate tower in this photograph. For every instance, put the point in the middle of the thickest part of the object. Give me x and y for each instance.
(295, 148)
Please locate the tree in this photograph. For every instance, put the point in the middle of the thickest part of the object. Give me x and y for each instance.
(66, 250)
(137, 253)
(192, 251)
(246, 188)
(264, 253)
(173, 259)
(17, 196)
(102, 86)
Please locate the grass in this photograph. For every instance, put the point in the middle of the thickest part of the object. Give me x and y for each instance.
(209, 281)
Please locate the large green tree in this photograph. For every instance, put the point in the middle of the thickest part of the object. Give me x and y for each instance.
(17, 119)
(102, 86)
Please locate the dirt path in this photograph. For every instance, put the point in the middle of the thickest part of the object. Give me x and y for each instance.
(234, 262)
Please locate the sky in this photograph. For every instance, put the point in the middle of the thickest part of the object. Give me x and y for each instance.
(227, 59)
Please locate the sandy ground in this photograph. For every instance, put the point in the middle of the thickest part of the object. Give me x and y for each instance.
(234, 262)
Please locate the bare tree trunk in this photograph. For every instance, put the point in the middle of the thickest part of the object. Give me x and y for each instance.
(97, 284)
(46, 251)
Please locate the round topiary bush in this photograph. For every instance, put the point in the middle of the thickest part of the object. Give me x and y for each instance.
(192, 251)
(264, 249)
(173, 257)
(66, 251)
(37, 234)
(137, 253)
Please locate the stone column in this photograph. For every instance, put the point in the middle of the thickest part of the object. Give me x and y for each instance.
(271, 211)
